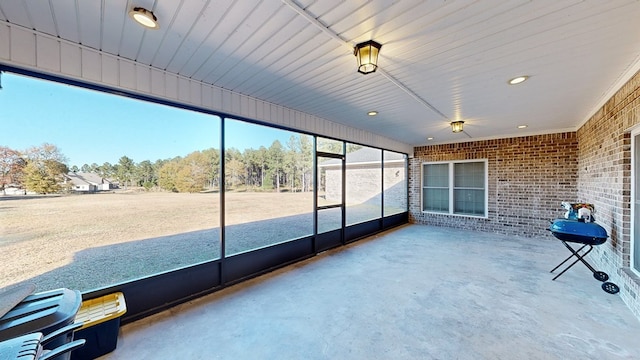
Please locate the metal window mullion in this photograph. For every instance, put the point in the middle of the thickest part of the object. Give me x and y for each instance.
(223, 245)
(451, 183)
(315, 194)
(344, 191)
(382, 184)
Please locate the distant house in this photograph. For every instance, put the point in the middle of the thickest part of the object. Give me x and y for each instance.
(364, 180)
(88, 182)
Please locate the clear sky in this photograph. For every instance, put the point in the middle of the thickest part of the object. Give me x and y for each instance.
(94, 127)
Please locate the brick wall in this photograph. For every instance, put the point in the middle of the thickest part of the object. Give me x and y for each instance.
(604, 178)
(528, 178)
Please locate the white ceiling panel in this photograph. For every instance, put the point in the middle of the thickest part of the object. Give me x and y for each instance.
(90, 27)
(440, 60)
(65, 15)
(187, 14)
(113, 11)
(240, 43)
(208, 18)
(145, 44)
(16, 13)
(44, 19)
(204, 35)
(217, 45)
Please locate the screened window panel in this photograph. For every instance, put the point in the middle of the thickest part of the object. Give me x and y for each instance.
(329, 146)
(363, 190)
(394, 183)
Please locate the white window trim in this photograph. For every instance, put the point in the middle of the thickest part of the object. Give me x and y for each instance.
(634, 242)
(451, 187)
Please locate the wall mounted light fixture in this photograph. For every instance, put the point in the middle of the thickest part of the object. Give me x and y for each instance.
(456, 126)
(144, 17)
(367, 55)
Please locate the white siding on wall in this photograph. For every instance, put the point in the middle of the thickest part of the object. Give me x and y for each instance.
(110, 71)
(128, 74)
(70, 60)
(143, 79)
(4, 42)
(184, 93)
(195, 91)
(171, 86)
(51, 50)
(24, 48)
(217, 98)
(91, 65)
(157, 82)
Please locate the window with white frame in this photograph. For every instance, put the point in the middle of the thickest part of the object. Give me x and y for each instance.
(456, 187)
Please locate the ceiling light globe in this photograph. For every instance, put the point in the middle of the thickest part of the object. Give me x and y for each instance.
(518, 80)
(144, 17)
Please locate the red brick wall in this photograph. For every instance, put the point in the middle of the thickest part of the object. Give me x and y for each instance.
(528, 178)
(604, 178)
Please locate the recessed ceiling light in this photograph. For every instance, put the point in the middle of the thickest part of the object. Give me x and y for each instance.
(518, 80)
(522, 126)
(372, 113)
(144, 17)
(429, 138)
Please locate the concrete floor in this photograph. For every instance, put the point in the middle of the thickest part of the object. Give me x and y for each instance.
(417, 292)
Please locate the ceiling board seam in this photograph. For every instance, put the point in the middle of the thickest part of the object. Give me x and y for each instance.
(228, 10)
(319, 24)
(26, 10)
(204, 40)
(269, 66)
(186, 36)
(237, 47)
(4, 15)
(164, 36)
(272, 63)
(335, 36)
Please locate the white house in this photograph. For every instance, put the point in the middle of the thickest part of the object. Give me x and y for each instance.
(88, 182)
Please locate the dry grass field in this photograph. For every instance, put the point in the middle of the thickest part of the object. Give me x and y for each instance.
(90, 241)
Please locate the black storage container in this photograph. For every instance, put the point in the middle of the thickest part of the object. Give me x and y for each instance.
(43, 312)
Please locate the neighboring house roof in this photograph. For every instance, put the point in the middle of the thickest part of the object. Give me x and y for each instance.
(82, 178)
(364, 156)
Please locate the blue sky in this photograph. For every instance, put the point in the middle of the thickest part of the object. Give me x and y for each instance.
(93, 127)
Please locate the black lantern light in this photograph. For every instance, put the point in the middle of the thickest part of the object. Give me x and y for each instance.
(456, 126)
(367, 55)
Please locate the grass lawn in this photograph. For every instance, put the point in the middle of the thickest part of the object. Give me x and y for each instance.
(89, 241)
(93, 240)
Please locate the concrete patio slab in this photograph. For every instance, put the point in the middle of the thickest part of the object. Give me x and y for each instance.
(416, 292)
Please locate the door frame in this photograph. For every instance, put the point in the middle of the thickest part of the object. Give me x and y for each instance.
(635, 177)
(326, 240)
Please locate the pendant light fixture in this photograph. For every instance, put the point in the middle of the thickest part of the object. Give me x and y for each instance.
(367, 56)
(456, 126)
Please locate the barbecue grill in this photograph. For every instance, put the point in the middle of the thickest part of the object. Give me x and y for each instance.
(581, 230)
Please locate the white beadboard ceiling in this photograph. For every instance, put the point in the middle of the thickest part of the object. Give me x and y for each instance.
(440, 60)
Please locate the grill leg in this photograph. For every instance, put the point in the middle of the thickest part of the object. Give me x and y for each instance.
(577, 255)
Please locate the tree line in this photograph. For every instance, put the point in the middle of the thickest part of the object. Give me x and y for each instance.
(43, 169)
